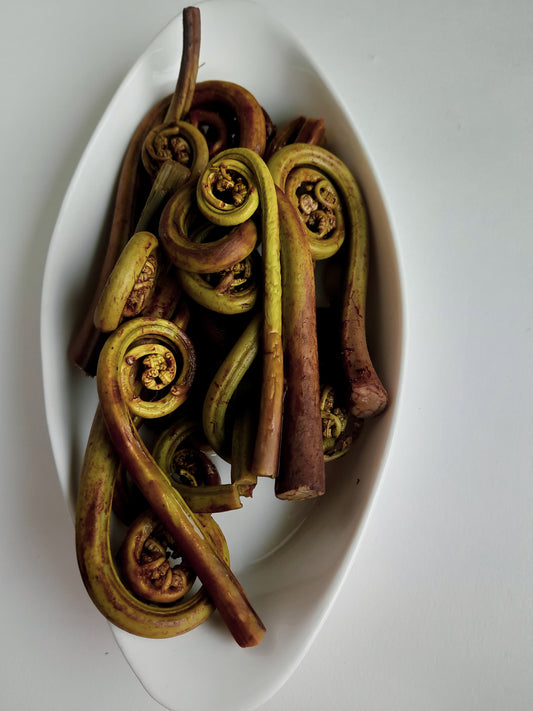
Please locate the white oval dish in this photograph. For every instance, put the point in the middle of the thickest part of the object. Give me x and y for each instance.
(291, 558)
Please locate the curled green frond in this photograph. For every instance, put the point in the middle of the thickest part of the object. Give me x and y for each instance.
(130, 283)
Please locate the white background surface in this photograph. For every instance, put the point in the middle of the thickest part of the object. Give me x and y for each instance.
(436, 612)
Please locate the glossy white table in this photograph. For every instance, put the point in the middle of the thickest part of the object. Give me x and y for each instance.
(436, 611)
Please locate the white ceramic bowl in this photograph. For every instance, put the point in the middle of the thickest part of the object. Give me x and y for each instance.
(290, 557)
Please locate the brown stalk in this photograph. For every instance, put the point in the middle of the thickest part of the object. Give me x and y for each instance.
(242, 446)
(299, 130)
(186, 83)
(301, 470)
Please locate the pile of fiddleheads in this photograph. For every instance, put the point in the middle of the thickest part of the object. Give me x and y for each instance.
(205, 339)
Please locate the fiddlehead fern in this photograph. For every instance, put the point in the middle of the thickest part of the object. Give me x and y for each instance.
(145, 355)
(148, 560)
(87, 340)
(99, 572)
(176, 139)
(339, 428)
(178, 453)
(368, 396)
(131, 283)
(192, 471)
(120, 401)
(304, 174)
(177, 231)
(235, 183)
